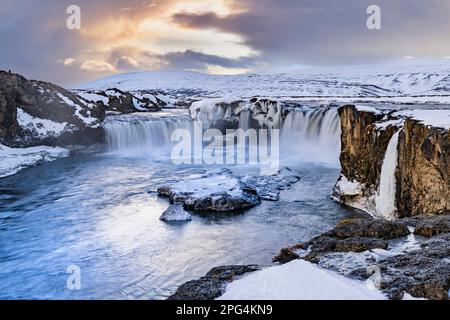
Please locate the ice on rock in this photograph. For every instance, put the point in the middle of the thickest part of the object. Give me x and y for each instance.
(348, 188)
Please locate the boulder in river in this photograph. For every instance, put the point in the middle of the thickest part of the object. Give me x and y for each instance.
(175, 212)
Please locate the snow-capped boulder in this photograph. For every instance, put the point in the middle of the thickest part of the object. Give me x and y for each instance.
(217, 193)
(175, 212)
(221, 191)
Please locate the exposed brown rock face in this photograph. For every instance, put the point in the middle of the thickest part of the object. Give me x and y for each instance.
(363, 147)
(423, 175)
(423, 171)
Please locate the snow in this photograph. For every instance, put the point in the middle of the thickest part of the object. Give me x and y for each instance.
(137, 105)
(13, 160)
(389, 80)
(43, 127)
(207, 111)
(204, 187)
(407, 296)
(87, 120)
(299, 280)
(349, 188)
(368, 109)
(435, 118)
(385, 199)
(114, 93)
(91, 96)
(385, 124)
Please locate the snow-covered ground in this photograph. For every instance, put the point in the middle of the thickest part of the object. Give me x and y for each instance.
(395, 81)
(13, 160)
(299, 280)
(435, 118)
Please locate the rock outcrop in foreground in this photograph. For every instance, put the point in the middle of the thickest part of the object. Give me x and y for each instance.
(212, 285)
(397, 262)
(422, 175)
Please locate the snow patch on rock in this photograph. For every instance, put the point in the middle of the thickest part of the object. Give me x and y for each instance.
(367, 109)
(42, 128)
(87, 120)
(221, 191)
(435, 118)
(217, 193)
(348, 188)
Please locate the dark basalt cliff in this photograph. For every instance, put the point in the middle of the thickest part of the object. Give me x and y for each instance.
(40, 102)
(423, 168)
(41, 113)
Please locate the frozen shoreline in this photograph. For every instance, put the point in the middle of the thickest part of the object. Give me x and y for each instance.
(14, 160)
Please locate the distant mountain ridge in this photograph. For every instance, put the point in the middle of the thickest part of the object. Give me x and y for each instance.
(353, 81)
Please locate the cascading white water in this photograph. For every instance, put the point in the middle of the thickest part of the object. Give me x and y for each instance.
(245, 120)
(385, 199)
(308, 135)
(312, 135)
(142, 132)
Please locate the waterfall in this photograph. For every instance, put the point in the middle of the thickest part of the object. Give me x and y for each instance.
(245, 120)
(312, 135)
(143, 132)
(306, 135)
(385, 199)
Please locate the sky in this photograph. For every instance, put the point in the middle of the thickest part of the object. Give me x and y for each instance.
(213, 36)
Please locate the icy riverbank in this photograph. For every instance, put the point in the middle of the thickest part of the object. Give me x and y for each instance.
(13, 160)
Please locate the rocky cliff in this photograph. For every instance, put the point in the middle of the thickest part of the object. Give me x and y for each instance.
(422, 172)
(40, 113)
(37, 113)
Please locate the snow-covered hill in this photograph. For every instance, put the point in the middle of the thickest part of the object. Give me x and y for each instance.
(405, 79)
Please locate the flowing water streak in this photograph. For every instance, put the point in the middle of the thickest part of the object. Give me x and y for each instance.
(144, 131)
(312, 135)
(385, 199)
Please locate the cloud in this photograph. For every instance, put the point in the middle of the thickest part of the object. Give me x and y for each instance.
(69, 61)
(199, 61)
(97, 66)
(212, 35)
(332, 32)
(125, 63)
